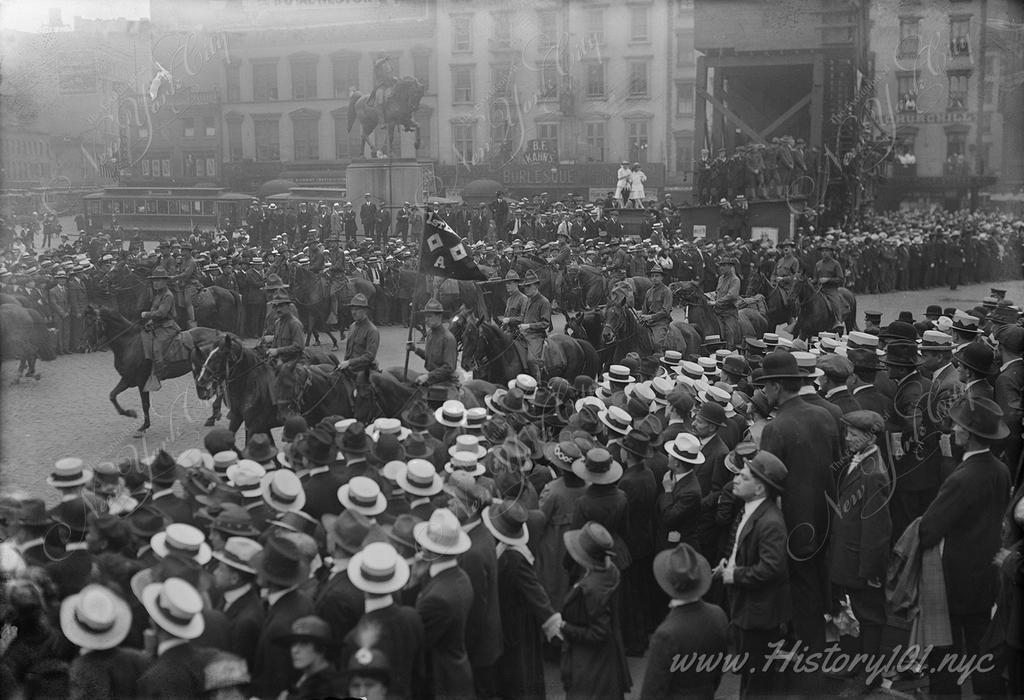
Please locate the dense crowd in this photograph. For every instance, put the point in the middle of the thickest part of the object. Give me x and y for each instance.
(789, 502)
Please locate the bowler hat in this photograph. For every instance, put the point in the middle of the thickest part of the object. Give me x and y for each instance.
(769, 469)
(280, 562)
(779, 364)
(977, 356)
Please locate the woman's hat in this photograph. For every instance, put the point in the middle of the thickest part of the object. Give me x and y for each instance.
(363, 495)
(308, 629)
(590, 546)
(616, 419)
(597, 467)
(176, 607)
(562, 454)
(450, 414)
(442, 534)
(419, 478)
(282, 490)
(378, 569)
(69, 472)
(183, 540)
(683, 573)
(686, 448)
(281, 562)
(468, 443)
(507, 522)
(980, 416)
(769, 469)
(238, 553)
(779, 364)
(95, 618)
(467, 462)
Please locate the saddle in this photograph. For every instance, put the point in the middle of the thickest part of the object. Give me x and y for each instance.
(553, 357)
(179, 349)
(756, 302)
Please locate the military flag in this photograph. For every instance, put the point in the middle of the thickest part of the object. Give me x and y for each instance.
(443, 254)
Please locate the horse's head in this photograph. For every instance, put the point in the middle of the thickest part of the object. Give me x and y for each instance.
(470, 343)
(409, 92)
(463, 317)
(614, 320)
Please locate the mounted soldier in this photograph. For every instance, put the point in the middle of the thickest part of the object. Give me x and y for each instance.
(785, 273)
(160, 328)
(829, 274)
(188, 283)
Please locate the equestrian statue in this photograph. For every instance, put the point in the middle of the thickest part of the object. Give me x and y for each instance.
(390, 104)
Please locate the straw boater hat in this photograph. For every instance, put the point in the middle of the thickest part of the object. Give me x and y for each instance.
(470, 444)
(526, 384)
(616, 419)
(475, 419)
(238, 553)
(282, 490)
(442, 534)
(378, 569)
(450, 414)
(95, 618)
(69, 472)
(183, 540)
(467, 462)
(363, 495)
(507, 522)
(686, 448)
(176, 607)
(597, 467)
(683, 573)
(388, 426)
(420, 478)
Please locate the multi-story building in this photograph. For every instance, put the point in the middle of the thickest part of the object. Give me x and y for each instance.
(551, 95)
(26, 157)
(940, 80)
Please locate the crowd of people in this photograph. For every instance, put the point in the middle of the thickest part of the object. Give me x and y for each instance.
(764, 500)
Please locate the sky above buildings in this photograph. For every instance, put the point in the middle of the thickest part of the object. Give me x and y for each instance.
(35, 15)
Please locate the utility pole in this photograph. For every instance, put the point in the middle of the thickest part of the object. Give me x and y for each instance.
(979, 151)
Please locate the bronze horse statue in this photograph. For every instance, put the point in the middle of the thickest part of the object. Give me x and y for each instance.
(392, 111)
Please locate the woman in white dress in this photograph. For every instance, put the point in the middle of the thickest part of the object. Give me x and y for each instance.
(637, 178)
(622, 184)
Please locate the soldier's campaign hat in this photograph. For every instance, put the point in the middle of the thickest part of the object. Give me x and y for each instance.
(359, 302)
(433, 306)
(529, 278)
(159, 273)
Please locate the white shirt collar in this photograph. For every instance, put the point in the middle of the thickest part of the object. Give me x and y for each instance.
(378, 602)
(680, 603)
(318, 470)
(806, 390)
(942, 369)
(1003, 367)
(272, 598)
(76, 547)
(437, 568)
(235, 593)
(338, 566)
(168, 644)
(832, 392)
(750, 506)
(70, 497)
(974, 452)
(861, 387)
(469, 527)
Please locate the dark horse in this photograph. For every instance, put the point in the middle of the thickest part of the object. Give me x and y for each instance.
(248, 378)
(702, 315)
(392, 394)
(215, 307)
(618, 332)
(397, 110)
(494, 356)
(312, 294)
(24, 335)
(815, 316)
(124, 338)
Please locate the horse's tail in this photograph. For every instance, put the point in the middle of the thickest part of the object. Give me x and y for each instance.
(352, 108)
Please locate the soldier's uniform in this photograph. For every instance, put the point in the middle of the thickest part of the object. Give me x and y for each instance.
(832, 272)
(439, 353)
(727, 296)
(363, 340)
(161, 327)
(538, 311)
(189, 285)
(657, 306)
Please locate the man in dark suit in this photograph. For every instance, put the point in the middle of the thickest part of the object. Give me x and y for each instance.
(836, 371)
(862, 529)
(805, 438)
(322, 481)
(236, 580)
(480, 564)
(691, 629)
(444, 604)
(967, 516)
(163, 473)
(677, 420)
(1009, 387)
(712, 474)
(756, 572)
(677, 518)
(368, 215)
(807, 362)
(976, 363)
(280, 568)
(175, 611)
(338, 602)
(937, 364)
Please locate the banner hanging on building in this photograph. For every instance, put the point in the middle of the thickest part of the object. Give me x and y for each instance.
(443, 254)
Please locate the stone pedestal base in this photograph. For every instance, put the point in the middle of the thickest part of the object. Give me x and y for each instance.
(390, 182)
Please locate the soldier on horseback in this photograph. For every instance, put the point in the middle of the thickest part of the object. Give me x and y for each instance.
(785, 273)
(533, 324)
(727, 296)
(383, 79)
(363, 341)
(829, 274)
(160, 328)
(188, 283)
(439, 353)
(515, 305)
(656, 312)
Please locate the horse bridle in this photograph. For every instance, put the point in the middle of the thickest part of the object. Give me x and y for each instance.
(615, 329)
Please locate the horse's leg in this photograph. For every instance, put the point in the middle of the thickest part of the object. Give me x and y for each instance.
(234, 422)
(144, 397)
(334, 340)
(32, 368)
(122, 384)
(215, 415)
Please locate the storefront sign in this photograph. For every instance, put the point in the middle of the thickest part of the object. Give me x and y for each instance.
(927, 118)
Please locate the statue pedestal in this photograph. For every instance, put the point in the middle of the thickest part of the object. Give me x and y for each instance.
(391, 182)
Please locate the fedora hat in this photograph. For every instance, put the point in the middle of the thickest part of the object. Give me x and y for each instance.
(597, 467)
(378, 569)
(433, 306)
(318, 446)
(280, 562)
(779, 364)
(387, 448)
(980, 416)
(712, 412)
(736, 365)
(146, 521)
(358, 302)
(442, 534)
(507, 522)
(769, 469)
(363, 495)
(95, 618)
(238, 553)
(69, 472)
(354, 440)
(902, 355)
(32, 513)
(400, 535)
(686, 448)
(562, 454)
(416, 447)
(296, 521)
(388, 426)
(616, 419)
(259, 449)
(182, 540)
(505, 402)
(467, 462)
(418, 416)
(476, 418)
(683, 573)
(450, 414)
(637, 442)
(282, 490)
(233, 519)
(977, 356)
(591, 546)
(468, 443)
(176, 607)
(419, 478)
(308, 629)
(347, 530)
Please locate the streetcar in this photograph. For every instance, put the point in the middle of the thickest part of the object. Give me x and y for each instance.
(327, 195)
(164, 212)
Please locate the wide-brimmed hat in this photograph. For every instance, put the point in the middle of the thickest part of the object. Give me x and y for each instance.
(182, 540)
(442, 534)
(32, 513)
(347, 531)
(419, 478)
(562, 454)
(529, 278)
(977, 356)
(318, 446)
(296, 521)
(591, 546)
(597, 467)
(159, 273)
(683, 573)
(259, 448)
(618, 374)
(467, 462)
(980, 416)
(476, 418)
(616, 419)
(247, 475)
(233, 519)
(363, 495)
(358, 301)
(902, 355)
(95, 618)
(433, 306)
(965, 323)
(450, 414)
(282, 490)
(686, 448)
(238, 553)
(281, 562)
(418, 415)
(387, 448)
(176, 607)
(378, 569)
(526, 384)
(505, 402)
(308, 629)
(512, 455)
(769, 469)
(387, 426)
(637, 443)
(507, 522)
(69, 472)
(468, 443)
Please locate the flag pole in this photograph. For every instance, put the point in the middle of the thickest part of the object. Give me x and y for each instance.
(412, 313)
